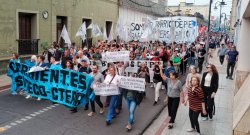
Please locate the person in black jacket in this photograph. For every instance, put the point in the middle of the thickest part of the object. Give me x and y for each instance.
(210, 84)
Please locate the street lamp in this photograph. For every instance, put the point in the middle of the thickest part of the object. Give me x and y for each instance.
(224, 20)
(222, 3)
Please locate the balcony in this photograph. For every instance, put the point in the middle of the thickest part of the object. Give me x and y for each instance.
(27, 46)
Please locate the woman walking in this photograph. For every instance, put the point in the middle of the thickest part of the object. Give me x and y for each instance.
(196, 103)
(175, 94)
(209, 84)
(157, 82)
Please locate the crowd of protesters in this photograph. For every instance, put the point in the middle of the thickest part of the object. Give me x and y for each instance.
(178, 59)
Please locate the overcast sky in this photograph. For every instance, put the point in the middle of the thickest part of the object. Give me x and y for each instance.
(225, 9)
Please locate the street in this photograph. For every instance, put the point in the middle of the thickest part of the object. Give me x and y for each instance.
(27, 117)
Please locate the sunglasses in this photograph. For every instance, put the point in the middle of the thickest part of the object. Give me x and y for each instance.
(208, 67)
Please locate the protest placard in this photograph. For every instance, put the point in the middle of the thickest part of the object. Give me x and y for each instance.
(115, 56)
(102, 65)
(132, 83)
(104, 89)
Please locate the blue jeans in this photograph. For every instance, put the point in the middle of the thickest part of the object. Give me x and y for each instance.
(111, 113)
(118, 104)
(131, 106)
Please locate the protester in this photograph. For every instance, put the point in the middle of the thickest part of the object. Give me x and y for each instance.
(66, 57)
(15, 57)
(175, 95)
(196, 103)
(201, 56)
(210, 84)
(98, 78)
(176, 60)
(130, 97)
(157, 83)
(232, 58)
(111, 78)
(221, 53)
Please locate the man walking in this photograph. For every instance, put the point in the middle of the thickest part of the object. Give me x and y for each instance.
(221, 53)
(201, 56)
(232, 58)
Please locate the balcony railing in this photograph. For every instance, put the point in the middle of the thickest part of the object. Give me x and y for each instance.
(27, 46)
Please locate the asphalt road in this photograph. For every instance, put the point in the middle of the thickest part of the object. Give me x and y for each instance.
(19, 116)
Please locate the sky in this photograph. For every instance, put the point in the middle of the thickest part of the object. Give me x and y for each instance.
(225, 9)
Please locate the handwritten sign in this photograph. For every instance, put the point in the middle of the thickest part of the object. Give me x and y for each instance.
(116, 56)
(132, 83)
(103, 89)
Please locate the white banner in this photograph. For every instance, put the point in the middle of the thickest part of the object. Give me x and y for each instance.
(103, 89)
(102, 65)
(115, 56)
(135, 30)
(179, 29)
(132, 83)
(134, 66)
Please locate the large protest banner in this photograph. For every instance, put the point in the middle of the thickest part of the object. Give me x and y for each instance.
(132, 83)
(105, 89)
(185, 29)
(179, 29)
(115, 56)
(63, 86)
(135, 30)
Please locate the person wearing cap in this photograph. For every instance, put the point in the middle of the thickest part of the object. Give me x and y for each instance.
(201, 56)
(232, 58)
(81, 57)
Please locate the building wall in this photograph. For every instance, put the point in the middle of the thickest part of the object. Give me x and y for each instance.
(191, 9)
(241, 115)
(233, 15)
(97, 10)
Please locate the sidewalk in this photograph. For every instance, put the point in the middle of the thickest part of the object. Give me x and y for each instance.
(223, 119)
(5, 82)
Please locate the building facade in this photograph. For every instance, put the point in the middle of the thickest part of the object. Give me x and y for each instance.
(26, 24)
(241, 105)
(189, 8)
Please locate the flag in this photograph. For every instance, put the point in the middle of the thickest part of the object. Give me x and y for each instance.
(104, 35)
(119, 28)
(65, 36)
(82, 31)
(111, 34)
(90, 26)
(96, 31)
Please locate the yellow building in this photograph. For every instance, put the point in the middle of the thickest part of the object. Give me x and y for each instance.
(24, 24)
(188, 8)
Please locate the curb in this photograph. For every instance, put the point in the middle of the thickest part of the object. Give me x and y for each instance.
(153, 119)
(4, 87)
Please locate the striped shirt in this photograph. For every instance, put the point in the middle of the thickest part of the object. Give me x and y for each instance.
(195, 97)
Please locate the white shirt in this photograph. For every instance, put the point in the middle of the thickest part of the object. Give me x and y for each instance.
(208, 79)
(109, 77)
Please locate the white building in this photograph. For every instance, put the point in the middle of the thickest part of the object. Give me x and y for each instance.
(241, 113)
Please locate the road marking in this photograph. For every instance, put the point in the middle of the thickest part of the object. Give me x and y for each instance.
(7, 126)
(19, 122)
(26, 118)
(13, 124)
(23, 119)
(33, 115)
